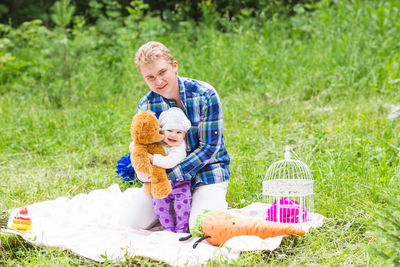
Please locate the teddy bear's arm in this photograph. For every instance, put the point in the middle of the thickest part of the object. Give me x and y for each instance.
(156, 149)
(140, 160)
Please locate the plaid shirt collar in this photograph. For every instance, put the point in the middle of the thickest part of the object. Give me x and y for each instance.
(182, 92)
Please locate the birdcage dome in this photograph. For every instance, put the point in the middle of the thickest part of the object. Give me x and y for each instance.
(288, 188)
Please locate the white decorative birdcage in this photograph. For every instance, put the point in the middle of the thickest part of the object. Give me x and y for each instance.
(288, 189)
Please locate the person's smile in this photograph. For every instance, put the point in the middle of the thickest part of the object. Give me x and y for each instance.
(162, 87)
(171, 140)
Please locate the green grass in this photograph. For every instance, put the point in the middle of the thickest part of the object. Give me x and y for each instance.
(322, 82)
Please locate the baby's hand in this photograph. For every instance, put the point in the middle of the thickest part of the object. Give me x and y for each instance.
(131, 146)
(144, 178)
(151, 157)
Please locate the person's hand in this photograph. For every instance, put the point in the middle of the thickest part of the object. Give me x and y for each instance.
(131, 146)
(144, 178)
(151, 157)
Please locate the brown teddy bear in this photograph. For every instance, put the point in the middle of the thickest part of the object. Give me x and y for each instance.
(145, 132)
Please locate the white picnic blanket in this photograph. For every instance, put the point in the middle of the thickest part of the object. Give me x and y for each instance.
(86, 226)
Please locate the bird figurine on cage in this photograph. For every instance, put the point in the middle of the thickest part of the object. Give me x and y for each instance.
(288, 189)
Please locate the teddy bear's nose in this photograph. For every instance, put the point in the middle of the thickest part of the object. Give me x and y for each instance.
(161, 132)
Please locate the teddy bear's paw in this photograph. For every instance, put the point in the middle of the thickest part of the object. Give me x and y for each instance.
(161, 190)
(145, 169)
(147, 188)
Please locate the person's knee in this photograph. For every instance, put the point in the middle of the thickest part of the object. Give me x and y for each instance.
(137, 210)
(208, 197)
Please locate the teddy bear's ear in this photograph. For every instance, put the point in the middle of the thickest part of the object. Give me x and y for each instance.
(144, 125)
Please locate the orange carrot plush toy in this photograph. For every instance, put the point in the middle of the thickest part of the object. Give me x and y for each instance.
(218, 227)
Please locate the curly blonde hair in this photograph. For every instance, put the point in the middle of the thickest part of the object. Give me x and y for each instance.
(151, 51)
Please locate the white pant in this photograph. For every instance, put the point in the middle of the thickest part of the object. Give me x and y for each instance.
(208, 197)
(138, 208)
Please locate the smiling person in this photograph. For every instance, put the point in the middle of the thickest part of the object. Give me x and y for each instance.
(174, 125)
(206, 165)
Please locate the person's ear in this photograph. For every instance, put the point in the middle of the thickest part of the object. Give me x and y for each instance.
(175, 66)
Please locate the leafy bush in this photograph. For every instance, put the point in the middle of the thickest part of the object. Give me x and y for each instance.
(179, 10)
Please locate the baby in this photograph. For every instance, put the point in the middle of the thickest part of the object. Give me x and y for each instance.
(174, 125)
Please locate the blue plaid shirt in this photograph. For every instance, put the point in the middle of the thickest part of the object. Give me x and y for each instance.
(207, 161)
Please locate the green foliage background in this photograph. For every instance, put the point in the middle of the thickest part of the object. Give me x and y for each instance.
(320, 76)
(16, 12)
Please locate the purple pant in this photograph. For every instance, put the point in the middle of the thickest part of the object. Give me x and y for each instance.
(181, 198)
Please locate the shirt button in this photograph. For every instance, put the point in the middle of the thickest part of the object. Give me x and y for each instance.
(215, 132)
